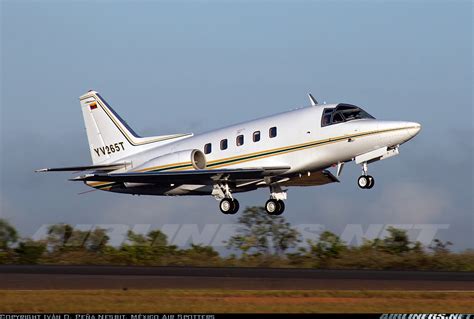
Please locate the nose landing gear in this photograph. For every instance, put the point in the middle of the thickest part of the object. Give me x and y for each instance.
(365, 181)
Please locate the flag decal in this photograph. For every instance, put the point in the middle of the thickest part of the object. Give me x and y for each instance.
(93, 106)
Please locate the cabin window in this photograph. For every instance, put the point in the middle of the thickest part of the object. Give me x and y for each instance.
(207, 148)
(239, 140)
(272, 132)
(224, 144)
(256, 136)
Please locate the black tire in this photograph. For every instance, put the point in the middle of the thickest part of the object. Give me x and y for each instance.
(226, 206)
(363, 181)
(371, 182)
(235, 207)
(272, 206)
(281, 207)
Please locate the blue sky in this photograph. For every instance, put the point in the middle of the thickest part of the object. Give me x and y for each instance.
(174, 67)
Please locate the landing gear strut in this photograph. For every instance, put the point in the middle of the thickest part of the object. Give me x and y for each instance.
(365, 181)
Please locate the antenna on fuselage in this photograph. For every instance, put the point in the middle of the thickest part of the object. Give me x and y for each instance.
(312, 100)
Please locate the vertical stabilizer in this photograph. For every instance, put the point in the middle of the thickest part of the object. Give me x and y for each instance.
(110, 138)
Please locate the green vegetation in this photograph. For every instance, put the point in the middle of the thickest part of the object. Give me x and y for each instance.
(261, 240)
(238, 301)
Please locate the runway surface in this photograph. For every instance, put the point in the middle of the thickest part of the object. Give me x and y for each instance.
(137, 277)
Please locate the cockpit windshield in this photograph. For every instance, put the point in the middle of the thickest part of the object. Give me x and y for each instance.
(343, 113)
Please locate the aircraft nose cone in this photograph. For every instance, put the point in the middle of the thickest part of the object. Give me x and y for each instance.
(397, 132)
(413, 128)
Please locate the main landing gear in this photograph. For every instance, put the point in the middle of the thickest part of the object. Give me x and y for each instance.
(274, 207)
(229, 206)
(365, 181)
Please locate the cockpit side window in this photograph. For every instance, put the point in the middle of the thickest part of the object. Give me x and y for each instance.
(326, 117)
(343, 113)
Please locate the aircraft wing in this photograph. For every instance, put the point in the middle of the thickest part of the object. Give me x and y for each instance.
(193, 177)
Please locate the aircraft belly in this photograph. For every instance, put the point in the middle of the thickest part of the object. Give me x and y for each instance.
(190, 190)
(307, 180)
(151, 189)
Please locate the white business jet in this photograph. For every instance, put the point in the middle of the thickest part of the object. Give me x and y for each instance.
(293, 148)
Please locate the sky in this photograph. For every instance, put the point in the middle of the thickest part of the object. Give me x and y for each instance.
(190, 66)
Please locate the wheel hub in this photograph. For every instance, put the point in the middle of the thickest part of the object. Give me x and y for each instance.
(225, 205)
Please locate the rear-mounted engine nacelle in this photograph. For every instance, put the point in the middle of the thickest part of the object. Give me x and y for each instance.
(180, 159)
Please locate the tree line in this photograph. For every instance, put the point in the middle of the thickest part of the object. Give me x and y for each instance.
(260, 241)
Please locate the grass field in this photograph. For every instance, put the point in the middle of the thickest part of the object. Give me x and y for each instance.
(233, 301)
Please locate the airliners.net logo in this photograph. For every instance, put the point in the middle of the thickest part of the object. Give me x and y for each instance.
(426, 316)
